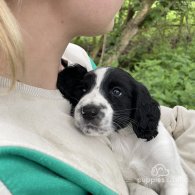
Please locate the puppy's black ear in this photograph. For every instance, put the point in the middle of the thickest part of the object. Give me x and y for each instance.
(146, 115)
(68, 79)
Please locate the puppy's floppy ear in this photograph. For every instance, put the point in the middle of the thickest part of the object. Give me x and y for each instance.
(68, 79)
(146, 114)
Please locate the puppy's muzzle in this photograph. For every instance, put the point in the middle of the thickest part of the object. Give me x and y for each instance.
(90, 112)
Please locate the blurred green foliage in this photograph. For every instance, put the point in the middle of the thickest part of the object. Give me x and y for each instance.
(161, 55)
(170, 76)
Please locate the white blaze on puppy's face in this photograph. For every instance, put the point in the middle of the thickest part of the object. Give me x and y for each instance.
(95, 123)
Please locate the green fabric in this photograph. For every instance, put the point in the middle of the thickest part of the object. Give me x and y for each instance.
(93, 64)
(29, 172)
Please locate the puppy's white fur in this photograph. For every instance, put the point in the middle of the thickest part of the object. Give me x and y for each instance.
(155, 164)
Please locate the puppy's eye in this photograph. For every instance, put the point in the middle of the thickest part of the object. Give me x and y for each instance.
(84, 90)
(116, 92)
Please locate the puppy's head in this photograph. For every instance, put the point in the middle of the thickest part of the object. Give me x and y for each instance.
(109, 99)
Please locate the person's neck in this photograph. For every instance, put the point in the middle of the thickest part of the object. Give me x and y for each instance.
(45, 40)
(42, 62)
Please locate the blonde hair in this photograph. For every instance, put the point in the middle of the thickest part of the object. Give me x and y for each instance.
(11, 46)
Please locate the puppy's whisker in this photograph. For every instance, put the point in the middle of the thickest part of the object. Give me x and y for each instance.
(125, 118)
(120, 127)
(126, 109)
(75, 99)
(122, 122)
(129, 124)
(121, 116)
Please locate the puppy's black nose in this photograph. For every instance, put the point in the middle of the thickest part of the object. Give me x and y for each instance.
(89, 112)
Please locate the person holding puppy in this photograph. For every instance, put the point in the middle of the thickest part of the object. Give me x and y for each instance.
(41, 152)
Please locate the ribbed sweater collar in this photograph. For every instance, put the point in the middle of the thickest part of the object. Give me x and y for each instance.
(30, 90)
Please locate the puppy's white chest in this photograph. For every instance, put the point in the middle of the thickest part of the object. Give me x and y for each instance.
(125, 147)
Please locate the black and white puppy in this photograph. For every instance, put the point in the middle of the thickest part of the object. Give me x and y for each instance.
(110, 102)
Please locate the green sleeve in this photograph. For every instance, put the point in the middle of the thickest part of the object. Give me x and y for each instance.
(28, 172)
(94, 66)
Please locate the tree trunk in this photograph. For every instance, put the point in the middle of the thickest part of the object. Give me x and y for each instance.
(94, 53)
(103, 49)
(131, 29)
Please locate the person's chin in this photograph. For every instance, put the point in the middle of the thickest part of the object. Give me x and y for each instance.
(99, 31)
(107, 28)
(110, 26)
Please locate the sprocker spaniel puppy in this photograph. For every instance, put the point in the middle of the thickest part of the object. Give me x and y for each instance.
(110, 102)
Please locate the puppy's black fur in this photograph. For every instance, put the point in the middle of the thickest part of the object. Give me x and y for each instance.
(68, 80)
(146, 114)
(139, 108)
